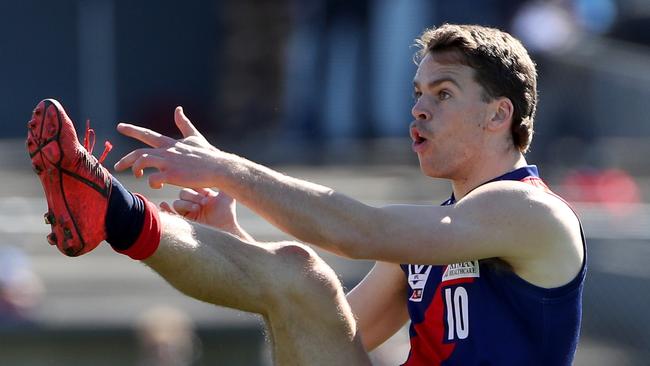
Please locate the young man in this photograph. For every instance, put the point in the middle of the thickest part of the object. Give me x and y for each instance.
(494, 276)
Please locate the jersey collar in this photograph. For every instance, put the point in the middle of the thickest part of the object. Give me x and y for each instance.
(517, 174)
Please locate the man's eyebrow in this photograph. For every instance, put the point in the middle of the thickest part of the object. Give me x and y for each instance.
(432, 84)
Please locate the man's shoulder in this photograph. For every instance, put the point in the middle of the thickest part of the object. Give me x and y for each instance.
(517, 195)
(532, 211)
(548, 232)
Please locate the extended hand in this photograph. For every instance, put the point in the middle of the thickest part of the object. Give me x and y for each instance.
(205, 206)
(208, 207)
(187, 162)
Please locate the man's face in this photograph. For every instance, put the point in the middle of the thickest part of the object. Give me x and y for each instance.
(450, 116)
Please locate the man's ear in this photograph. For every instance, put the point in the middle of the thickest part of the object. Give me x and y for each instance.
(501, 114)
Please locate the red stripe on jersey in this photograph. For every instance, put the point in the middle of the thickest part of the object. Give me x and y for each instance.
(429, 347)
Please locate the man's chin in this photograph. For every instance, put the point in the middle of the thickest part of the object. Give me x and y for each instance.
(435, 169)
(430, 171)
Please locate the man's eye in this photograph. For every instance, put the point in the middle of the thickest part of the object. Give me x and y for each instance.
(443, 95)
(417, 95)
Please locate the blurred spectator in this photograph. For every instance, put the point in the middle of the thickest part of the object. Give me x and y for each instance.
(21, 290)
(167, 338)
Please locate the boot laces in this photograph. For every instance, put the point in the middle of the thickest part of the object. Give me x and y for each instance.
(89, 143)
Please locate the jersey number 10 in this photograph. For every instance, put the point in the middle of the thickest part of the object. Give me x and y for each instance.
(457, 313)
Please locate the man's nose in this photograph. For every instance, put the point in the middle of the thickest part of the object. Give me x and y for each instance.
(419, 112)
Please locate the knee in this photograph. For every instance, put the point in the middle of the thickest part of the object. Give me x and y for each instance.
(307, 279)
(308, 290)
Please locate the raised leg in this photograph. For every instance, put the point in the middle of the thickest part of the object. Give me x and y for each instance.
(297, 293)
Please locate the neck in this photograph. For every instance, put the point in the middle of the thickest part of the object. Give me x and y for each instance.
(485, 171)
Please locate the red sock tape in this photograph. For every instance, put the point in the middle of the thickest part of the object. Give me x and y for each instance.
(149, 239)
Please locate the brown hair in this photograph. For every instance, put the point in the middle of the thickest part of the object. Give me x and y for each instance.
(502, 67)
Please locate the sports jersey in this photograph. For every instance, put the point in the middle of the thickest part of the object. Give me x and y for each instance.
(480, 313)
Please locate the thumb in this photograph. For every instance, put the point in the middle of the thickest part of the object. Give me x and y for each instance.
(183, 123)
(225, 198)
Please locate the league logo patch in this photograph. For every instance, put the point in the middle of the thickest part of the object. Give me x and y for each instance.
(418, 275)
(461, 270)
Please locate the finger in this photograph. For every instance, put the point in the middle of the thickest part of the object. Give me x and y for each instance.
(185, 207)
(223, 198)
(191, 215)
(191, 195)
(147, 161)
(165, 207)
(206, 192)
(157, 180)
(149, 137)
(183, 123)
(130, 158)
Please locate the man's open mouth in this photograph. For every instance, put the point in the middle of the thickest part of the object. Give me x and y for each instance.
(417, 138)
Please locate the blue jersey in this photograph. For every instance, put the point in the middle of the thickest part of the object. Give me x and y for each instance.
(480, 313)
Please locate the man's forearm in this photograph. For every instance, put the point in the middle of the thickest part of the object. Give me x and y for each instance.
(310, 212)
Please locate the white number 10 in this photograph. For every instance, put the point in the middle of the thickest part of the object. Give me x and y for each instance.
(457, 313)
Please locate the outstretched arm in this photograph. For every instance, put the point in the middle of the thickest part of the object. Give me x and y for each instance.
(491, 221)
(310, 212)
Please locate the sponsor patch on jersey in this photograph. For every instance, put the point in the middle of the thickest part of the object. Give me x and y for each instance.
(461, 270)
(418, 275)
